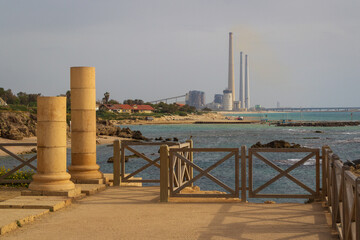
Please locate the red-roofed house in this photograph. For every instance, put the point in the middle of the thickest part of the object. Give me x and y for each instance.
(125, 108)
(119, 108)
(143, 108)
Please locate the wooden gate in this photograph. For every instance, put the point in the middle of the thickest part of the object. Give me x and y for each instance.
(128, 145)
(24, 162)
(255, 152)
(181, 164)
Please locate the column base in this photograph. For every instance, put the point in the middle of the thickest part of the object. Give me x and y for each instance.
(73, 193)
(85, 174)
(51, 182)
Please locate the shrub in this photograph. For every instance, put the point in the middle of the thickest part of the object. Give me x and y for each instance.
(18, 175)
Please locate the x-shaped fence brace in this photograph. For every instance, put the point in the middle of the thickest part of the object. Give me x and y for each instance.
(282, 173)
(182, 174)
(140, 155)
(25, 162)
(176, 191)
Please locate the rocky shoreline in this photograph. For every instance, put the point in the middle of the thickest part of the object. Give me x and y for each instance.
(20, 125)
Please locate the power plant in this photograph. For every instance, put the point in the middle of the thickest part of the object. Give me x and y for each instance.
(226, 101)
(244, 90)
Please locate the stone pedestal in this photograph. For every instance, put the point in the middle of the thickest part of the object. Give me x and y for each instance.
(51, 173)
(83, 167)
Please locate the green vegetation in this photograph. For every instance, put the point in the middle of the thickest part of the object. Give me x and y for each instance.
(18, 175)
(161, 109)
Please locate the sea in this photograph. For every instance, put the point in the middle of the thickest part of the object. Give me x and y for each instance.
(344, 141)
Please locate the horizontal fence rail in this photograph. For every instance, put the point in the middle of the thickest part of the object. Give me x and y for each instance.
(24, 162)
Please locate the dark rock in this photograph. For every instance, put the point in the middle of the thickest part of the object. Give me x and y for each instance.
(110, 160)
(318, 131)
(276, 144)
(17, 125)
(159, 139)
(168, 139)
(175, 139)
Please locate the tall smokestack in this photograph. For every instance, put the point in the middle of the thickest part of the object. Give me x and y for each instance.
(241, 93)
(247, 81)
(231, 82)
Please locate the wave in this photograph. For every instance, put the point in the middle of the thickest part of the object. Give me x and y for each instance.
(354, 140)
(292, 161)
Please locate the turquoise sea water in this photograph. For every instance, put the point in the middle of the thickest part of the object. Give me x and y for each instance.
(306, 116)
(345, 141)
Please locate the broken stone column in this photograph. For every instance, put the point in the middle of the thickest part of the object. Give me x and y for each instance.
(83, 167)
(51, 173)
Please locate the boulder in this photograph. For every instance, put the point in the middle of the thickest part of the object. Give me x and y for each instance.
(276, 144)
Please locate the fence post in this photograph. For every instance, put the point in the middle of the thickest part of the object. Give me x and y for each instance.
(357, 207)
(191, 155)
(164, 173)
(116, 163)
(324, 174)
(345, 204)
(243, 174)
(122, 159)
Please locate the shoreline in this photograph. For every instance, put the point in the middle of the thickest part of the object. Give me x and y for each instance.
(211, 117)
(101, 140)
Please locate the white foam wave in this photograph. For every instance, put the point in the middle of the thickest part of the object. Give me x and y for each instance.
(292, 161)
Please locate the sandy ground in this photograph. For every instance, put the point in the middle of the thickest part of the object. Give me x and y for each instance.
(135, 213)
(189, 119)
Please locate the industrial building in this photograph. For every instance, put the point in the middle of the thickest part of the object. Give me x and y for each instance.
(195, 99)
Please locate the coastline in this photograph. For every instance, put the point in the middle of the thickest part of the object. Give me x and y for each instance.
(101, 140)
(216, 117)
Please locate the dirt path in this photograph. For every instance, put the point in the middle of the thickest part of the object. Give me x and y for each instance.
(135, 213)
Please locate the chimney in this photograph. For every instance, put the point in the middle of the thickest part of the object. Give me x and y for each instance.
(247, 82)
(231, 83)
(241, 93)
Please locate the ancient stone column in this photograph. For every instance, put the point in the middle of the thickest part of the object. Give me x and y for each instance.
(83, 125)
(51, 173)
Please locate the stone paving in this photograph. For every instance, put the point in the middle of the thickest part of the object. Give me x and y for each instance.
(135, 213)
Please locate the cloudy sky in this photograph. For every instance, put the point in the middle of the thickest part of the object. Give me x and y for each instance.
(302, 53)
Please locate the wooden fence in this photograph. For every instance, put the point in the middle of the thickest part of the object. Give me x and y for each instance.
(120, 148)
(256, 153)
(341, 192)
(24, 162)
(181, 164)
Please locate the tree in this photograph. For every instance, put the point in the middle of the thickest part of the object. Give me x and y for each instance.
(68, 100)
(106, 97)
(8, 96)
(112, 101)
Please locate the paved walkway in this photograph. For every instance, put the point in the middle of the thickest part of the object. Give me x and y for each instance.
(135, 213)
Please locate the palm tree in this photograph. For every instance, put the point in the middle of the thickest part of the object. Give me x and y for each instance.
(106, 97)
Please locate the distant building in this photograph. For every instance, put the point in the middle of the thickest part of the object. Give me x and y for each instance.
(195, 99)
(2, 102)
(142, 109)
(125, 108)
(227, 100)
(218, 98)
(214, 106)
(258, 107)
(236, 106)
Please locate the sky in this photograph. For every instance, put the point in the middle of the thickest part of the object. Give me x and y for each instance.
(302, 53)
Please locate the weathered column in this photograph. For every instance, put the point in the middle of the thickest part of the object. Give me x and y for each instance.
(83, 125)
(51, 173)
